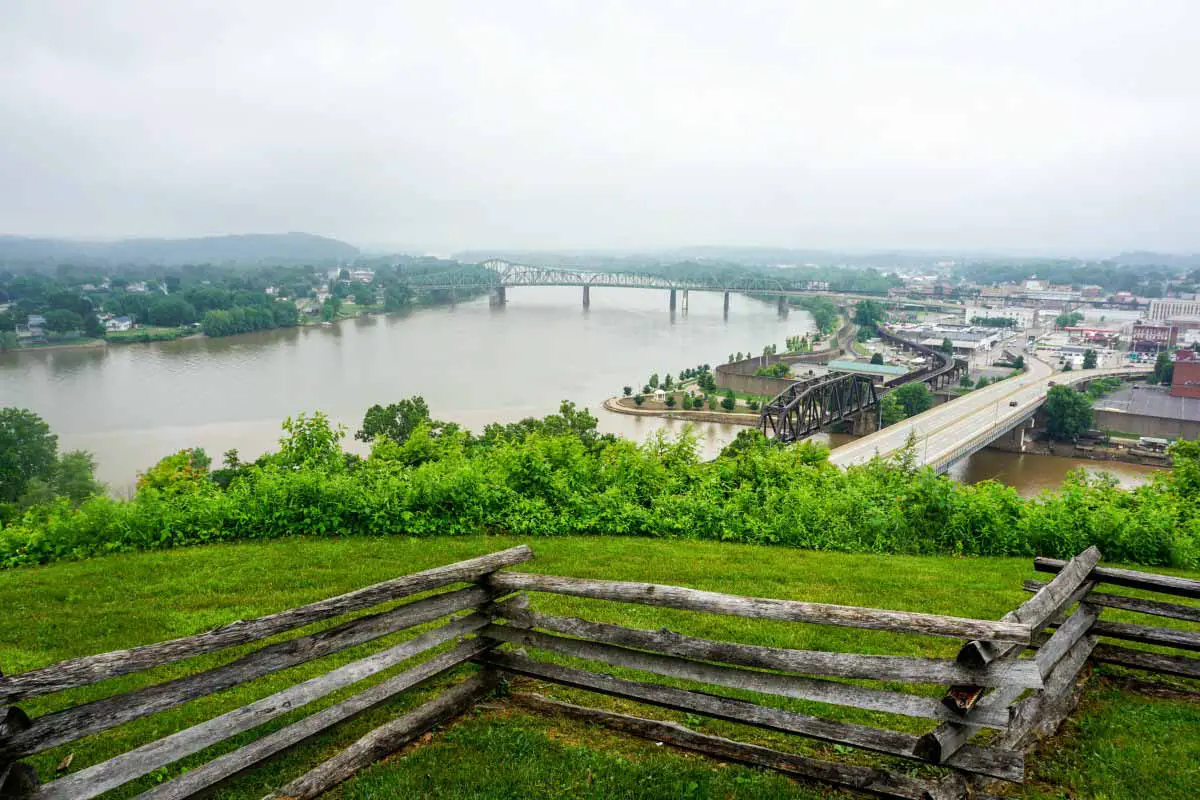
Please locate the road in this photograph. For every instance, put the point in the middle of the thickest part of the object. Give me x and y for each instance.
(948, 432)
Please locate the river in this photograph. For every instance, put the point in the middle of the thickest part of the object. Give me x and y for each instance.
(474, 364)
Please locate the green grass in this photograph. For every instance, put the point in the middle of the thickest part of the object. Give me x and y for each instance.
(79, 608)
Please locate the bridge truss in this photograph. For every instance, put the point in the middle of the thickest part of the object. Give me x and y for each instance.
(806, 407)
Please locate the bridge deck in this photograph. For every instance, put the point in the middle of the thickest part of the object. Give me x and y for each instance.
(951, 431)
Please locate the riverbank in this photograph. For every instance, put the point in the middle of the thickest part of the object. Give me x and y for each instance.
(617, 406)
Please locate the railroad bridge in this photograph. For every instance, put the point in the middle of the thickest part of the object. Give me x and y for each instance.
(809, 406)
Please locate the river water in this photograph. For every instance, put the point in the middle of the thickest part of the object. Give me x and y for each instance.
(132, 404)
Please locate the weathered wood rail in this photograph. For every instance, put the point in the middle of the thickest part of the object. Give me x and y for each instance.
(21, 736)
(1012, 681)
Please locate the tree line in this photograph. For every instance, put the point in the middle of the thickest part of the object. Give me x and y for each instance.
(558, 475)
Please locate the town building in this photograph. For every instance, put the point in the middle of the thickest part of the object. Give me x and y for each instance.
(1163, 310)
(1149, 337)
(118, 324)
(1022, 317)
(1185, 380)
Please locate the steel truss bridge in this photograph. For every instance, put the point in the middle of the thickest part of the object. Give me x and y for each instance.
(808, 406)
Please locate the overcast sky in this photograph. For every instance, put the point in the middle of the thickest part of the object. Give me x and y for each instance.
(1070, 125)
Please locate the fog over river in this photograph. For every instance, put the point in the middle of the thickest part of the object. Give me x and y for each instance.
(132, 404)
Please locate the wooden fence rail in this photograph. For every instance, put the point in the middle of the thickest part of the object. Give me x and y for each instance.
(21, 736)
(990, 684)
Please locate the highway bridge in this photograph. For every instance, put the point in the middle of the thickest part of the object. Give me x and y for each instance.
(952, 431)
(506, 275)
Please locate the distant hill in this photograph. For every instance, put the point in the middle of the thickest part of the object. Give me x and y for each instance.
(253, 248)
(1143, 258)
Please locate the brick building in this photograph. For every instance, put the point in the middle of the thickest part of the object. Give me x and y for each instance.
(1185, 382)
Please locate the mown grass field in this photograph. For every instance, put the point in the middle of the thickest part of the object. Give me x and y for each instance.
(1131, 738)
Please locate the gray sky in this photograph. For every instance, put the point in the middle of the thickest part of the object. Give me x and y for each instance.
(1070, 125)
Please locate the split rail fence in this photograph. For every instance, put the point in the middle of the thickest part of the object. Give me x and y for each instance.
(995, 702)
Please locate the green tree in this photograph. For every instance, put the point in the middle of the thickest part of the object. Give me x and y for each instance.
(982, 382)
(75, 476)
(1164, 369)
(311, 443)
(965, 382)
(653, 382)
(396, 421)
(1019, 362)
(697, 402)
(668, 382)
(914, 398)
(877, 358)
(181, 473)
(1089, 359)
(728, 401)
(1068, 319)
(869, 313)
(947, 346)
(93, 327)
(9, 341)
(60, 320)
(638, 399)
(891, 410)
(330, 308)
(396, 298)
(670, 401)
(28, 451)
(628, 390)
(170, 312)
(1068, 413)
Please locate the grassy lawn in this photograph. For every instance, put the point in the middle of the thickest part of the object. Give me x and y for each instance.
(1129, 740)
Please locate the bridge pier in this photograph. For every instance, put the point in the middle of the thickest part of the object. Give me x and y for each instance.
(1014, 440)
(727, 304)
(673, 300)
(685, 299)
(498, 298)
(782, 306)
(587, 296)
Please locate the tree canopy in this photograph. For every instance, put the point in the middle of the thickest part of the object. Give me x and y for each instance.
(28, 450)
(1068, 413)
(914, 398)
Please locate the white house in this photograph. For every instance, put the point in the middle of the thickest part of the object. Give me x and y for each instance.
(118, 324)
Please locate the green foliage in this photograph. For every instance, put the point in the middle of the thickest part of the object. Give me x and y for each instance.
(965, 382)
(1068, 319)
(670, 401)
(913, 398)
(1068, 413)
(1019, 362)
(947, 346)
(823, 311)
(170, 312)
(869, 313)
(776, 370)
(982, 382)
(397, 421)
(311, 443)
(1089, 359)
(877, 358)
(1164, 369)
(994, 322)
(557, 476)
(638, 399)
(28, 450)
(628, 390)
(653, 382)
(59, 320)
(728, 401)
(891, 410)
(9, 341)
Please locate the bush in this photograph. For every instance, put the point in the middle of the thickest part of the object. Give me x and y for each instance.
(558, 475)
